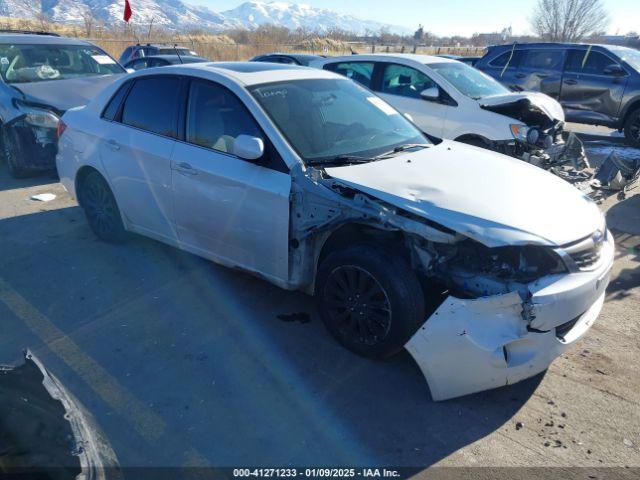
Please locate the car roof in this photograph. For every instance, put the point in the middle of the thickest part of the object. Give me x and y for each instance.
(292, 55)
(424, 59)
(173, 57)
(552, 45)
(39, 39)
(251, 73)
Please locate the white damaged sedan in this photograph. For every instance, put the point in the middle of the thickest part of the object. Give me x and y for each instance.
(484, 267)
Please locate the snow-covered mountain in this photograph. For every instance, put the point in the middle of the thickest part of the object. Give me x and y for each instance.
(176, 14)
(294, 15)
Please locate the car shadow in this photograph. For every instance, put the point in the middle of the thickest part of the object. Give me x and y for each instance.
(7, 182)
(231, 366)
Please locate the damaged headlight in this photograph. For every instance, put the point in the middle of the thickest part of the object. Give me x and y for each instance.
(513, 263)
(519, 131)
(38, 117)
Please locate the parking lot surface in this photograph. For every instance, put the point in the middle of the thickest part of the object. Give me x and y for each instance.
(184, 363)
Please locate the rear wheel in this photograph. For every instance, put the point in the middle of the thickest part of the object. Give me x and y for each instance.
(370, 300)
(100, 208)
(632, 128)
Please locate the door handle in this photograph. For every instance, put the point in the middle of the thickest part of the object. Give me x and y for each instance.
(184, 167)
(113, 145)
(570, 81)
(520, 75)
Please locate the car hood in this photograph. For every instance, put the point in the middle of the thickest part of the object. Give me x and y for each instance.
(65, 94)
(532, 100)
(494, 199)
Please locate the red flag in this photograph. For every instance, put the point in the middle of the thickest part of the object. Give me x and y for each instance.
(127, 11)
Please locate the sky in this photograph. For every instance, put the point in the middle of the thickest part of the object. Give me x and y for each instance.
(454, 17)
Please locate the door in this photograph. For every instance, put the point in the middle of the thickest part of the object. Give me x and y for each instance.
(233, 210)
(592, 86)
(541, 71)
(402, 85)
(136, 154)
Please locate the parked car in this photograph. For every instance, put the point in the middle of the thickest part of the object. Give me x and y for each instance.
(303, 59)
(448, 99)
(468, 60)
(596, 84)
(161, 61)
(42, 76)
(313, 183)
(137, 51)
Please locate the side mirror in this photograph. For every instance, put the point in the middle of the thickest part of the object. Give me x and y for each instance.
(615, 70)
(431, 94)
(130, 70)
(248, 148)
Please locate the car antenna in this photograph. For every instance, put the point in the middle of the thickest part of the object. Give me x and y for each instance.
(506, 65)
(175, 47)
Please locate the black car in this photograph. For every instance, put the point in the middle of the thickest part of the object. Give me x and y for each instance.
(303, 59)
(468, 60)
(162, 61)
(596, 84)
(43, 75)
(147, 50)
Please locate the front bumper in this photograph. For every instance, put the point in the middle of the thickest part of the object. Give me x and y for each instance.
(470, 345)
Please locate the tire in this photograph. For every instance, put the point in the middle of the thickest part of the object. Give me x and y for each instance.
(101, 209)
(394, 308)
(12, 153)
(632, 128)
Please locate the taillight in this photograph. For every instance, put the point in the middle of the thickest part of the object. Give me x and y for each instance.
(61, 128)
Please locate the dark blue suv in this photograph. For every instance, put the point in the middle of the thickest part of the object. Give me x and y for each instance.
(596, 84)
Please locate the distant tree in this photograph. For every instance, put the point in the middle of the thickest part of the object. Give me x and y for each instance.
(89, 23)
(419, 34)
(568, 20)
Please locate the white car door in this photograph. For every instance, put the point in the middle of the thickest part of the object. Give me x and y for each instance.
(402, 85)
(226, 208)
(135, 151)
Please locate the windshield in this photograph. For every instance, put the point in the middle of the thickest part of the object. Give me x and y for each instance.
(325, 119)
(469, 81)
(36, 63)
(632, 57)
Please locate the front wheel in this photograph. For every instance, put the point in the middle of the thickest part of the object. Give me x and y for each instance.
(632, 129)
(13, 153)
(100, 208)
(370, 300)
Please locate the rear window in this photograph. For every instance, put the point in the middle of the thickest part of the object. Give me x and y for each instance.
(152, 105)
(111, 111)
(361, 72)
(502, 59)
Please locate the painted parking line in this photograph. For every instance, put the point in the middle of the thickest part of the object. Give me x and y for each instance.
(146, 423)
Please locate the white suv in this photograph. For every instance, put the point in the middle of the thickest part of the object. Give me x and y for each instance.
(311, 182)
(450, 99)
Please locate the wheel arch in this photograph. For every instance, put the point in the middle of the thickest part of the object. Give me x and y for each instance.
(631, 107)
(354, 232)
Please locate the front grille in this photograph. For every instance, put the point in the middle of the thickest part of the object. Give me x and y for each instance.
(562, 330)
(586, 253)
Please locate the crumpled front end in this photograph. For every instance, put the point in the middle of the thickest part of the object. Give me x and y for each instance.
(472, 344)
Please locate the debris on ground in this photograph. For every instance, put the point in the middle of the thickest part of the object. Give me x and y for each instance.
(519, 425)
(43, 197)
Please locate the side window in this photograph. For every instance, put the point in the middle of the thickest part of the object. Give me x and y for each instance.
(215, 117)
(138, 64)
(286, 60)
(361, 72)
(405, 81)
(152, 105)
(502, 59)
(111, 110)
(547, 59)
(584, 61)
